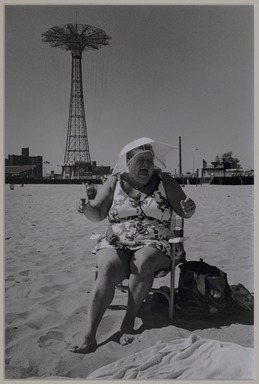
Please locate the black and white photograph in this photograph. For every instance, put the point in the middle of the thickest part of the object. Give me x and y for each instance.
(128, 191)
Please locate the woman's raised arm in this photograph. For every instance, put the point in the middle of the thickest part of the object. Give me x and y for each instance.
(97, 209)
(183, 206)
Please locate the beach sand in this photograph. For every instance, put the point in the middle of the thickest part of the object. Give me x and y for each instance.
(49, 275)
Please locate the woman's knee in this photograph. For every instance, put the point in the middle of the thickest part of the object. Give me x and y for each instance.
(142, 265)
(111, 267)
(147, 261)
(143, 269)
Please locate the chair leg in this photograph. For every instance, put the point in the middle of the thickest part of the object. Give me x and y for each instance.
(172, 283)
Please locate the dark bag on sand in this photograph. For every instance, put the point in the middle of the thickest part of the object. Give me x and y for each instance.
(203, 289)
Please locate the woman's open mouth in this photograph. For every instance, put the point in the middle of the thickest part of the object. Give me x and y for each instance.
(143, 172)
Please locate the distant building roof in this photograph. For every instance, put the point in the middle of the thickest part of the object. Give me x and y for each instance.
(18, 168)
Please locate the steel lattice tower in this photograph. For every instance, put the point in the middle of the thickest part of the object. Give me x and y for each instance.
(76, 38)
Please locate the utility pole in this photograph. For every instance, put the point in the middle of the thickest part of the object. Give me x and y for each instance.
(180, 156)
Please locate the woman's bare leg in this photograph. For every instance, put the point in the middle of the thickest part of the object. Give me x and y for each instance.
(113, 267)
(144, 264)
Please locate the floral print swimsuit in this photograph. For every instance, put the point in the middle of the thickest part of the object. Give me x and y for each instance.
(139, 221)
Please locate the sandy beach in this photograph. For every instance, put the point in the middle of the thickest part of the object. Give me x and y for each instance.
(49, 275)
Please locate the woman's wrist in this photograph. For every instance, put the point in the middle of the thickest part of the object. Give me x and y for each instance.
(86, 206)
(92, 213)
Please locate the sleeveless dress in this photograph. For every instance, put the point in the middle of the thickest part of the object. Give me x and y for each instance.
(139, 221)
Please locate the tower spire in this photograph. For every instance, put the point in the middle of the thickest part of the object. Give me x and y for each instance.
(77, 147)
(76, 38)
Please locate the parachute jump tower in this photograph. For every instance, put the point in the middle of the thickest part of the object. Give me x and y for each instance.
(76, 38)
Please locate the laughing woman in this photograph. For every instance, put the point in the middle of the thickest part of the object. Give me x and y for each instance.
(138, 201)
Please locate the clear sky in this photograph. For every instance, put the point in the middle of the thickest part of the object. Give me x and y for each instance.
(169, 71)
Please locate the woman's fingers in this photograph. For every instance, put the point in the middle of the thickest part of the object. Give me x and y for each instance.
(80, 206)
(187, 205)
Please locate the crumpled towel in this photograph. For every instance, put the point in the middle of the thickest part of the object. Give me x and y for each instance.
(189, 358)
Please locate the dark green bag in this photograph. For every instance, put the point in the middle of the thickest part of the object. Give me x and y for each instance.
(203, 289)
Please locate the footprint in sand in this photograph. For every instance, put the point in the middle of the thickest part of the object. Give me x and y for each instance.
(50, 338)
(11, 317)
(49, 290)
(24, 273)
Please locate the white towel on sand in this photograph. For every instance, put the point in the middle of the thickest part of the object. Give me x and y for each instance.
(189, 358)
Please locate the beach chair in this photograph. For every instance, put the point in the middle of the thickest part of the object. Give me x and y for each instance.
(177, 256)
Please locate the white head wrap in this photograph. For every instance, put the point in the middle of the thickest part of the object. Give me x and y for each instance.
(137, 153)
(160, 152)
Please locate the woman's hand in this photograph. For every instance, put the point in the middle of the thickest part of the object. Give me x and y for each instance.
(97, 209)
(188, 207)
(81, 205)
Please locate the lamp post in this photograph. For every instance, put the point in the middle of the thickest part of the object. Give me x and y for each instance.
(193, 163)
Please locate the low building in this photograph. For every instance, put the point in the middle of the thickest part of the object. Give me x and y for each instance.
(83, 170)
(24, 165)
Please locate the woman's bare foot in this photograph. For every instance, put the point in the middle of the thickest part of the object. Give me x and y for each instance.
(126, 339)
(84, 348)
(126, 333)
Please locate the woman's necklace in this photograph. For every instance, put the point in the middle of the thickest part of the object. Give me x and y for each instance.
(146, 189)
(135, 193)
(133, 184)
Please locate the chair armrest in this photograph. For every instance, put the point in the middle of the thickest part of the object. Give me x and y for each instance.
(95, 236)
(177, 240)
(172, 240)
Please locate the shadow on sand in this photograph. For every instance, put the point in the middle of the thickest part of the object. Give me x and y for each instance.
(154, 314)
